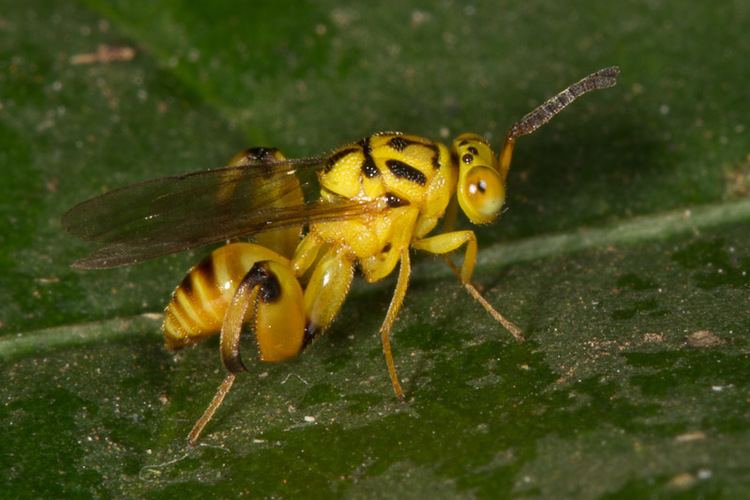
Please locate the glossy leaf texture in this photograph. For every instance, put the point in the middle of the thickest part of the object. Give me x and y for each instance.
(624, 254)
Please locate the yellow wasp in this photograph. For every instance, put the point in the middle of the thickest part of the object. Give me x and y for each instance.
(379, 198)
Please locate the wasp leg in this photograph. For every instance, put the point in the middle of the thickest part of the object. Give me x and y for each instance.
(448, 242)
(378, 266)
(235, 316)
(230, 353)
(451, 214)
(270, 298)
(306, 253)
(325, 293)
(393, 309)
(195, 432)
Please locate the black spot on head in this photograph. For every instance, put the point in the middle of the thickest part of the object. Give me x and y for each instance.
(387, 248)
(467, 158)
(473, 150)
(405, 171)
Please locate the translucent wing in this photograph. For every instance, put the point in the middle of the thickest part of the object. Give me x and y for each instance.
(170, 214)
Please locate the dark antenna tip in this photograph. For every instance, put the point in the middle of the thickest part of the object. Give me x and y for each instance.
(602, 79)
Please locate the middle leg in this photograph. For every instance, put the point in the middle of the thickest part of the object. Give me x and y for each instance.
(393, 310)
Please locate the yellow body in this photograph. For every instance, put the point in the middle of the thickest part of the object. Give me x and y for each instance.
(410, 179)
(379, 198)
(415, 176)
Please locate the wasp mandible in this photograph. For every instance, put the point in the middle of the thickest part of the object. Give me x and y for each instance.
(378, 198)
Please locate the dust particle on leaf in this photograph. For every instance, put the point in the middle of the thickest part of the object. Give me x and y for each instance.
(682, 481)
(690, 436)
(653, 337)
(703, 338)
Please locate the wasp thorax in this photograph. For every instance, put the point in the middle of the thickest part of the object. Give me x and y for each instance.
(481, 192)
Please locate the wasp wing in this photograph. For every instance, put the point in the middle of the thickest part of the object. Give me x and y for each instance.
(170, 214)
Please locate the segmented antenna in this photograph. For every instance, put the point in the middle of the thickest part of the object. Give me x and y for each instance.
(602, 79)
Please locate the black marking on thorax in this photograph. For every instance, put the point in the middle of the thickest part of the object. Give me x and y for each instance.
(336, 157)
(368, 166)
(394, 201)
(405, 171)
(435, 156)
(399, 143)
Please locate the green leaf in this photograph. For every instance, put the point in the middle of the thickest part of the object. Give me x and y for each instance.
(624, 255)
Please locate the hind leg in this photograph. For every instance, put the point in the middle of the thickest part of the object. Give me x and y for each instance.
(393, 309)
(270, 299)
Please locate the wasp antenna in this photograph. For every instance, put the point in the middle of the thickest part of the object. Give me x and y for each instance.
(602, 79)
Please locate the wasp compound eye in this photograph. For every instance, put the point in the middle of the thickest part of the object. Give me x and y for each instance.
(481, 194)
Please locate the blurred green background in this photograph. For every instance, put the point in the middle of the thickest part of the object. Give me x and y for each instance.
(624, 255)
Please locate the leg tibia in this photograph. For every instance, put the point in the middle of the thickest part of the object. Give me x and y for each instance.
(393, 310)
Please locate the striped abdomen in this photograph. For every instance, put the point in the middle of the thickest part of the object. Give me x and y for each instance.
(199, 303)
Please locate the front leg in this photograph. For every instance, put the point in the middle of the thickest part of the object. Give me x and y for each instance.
(447, 242)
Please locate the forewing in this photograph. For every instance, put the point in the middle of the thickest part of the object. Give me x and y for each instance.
(170, 214)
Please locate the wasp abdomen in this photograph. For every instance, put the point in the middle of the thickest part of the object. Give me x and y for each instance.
(200, 301)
